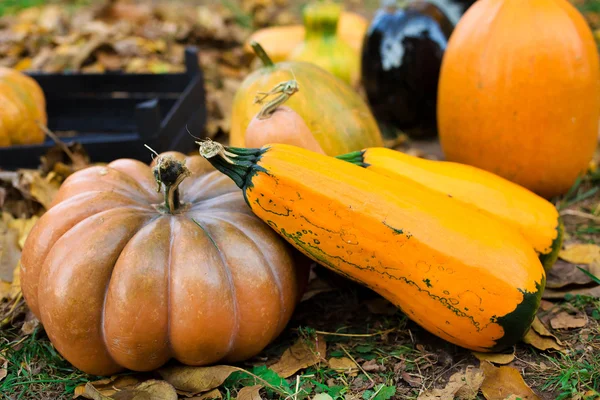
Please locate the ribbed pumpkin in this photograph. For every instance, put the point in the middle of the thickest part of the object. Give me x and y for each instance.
(519, 92)
(335, 113)
(22, 109)
(124, 278)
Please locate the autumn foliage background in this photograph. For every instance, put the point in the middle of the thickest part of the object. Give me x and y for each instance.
(344, 341)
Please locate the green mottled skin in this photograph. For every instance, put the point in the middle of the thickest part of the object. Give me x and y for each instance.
(549, 259)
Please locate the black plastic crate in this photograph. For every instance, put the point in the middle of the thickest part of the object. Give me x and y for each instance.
(114, 114)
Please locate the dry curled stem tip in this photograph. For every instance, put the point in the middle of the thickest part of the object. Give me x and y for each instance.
(283, 91)
(209, 149)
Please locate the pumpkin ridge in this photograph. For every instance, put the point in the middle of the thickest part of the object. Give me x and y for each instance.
(274, 276)
(231, 287)
(170, 350)
(103, 314)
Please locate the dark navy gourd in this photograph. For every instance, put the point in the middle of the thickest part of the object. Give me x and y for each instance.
(401, 59)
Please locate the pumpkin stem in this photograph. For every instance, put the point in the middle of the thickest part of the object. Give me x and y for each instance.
(262, 54)
(238, 163)
(169, 173)
(285, 91)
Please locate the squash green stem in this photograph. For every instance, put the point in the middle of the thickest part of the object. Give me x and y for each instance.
(355, 157)
(238, 163)
(262, 54)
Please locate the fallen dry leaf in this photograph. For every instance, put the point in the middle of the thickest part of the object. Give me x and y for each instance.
(11, 290)
(412, 380)
(303, 354)
(196, 379)
(147, 390)
(214, 394)
(564, 320)
(107, 386)
(581, 253)
(250, 393)
(541, 342)
(31, 322)
(41, 189)
(462, 385)
(343, 364)
(592, 290)
(496, 358)
(502, 382)
(3, 368)
(540, 337)
(23, 227)
(564, 274)
(10, 252)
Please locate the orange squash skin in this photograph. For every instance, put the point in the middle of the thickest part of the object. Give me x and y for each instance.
(519, 93)
(119, 284)
(338, 118)
(460, 274)
(536, 218)
(22, 108)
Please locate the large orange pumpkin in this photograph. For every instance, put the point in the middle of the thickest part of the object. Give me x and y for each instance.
(519, 92)
(22, 109)
(124, 278)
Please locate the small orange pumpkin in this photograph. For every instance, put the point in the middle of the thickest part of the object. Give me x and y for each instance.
(22, 109)
(519, 92)
(124, 278)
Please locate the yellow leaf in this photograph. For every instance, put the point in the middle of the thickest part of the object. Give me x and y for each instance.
(496, 358)
(10, 252)
(43, 190)
(581, 253)
(196, 379)
(502, 382)
(303, 354)
(23, 227)
(250, 393)
(461, 385)
(540, 337)
(23, 64)
(343, 364)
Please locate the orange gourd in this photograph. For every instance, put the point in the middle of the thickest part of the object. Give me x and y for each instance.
(519, 92)
(336, 115)
(536, 218)
(22, 109)
(280, 41)
(459, 273)
(123, 276)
